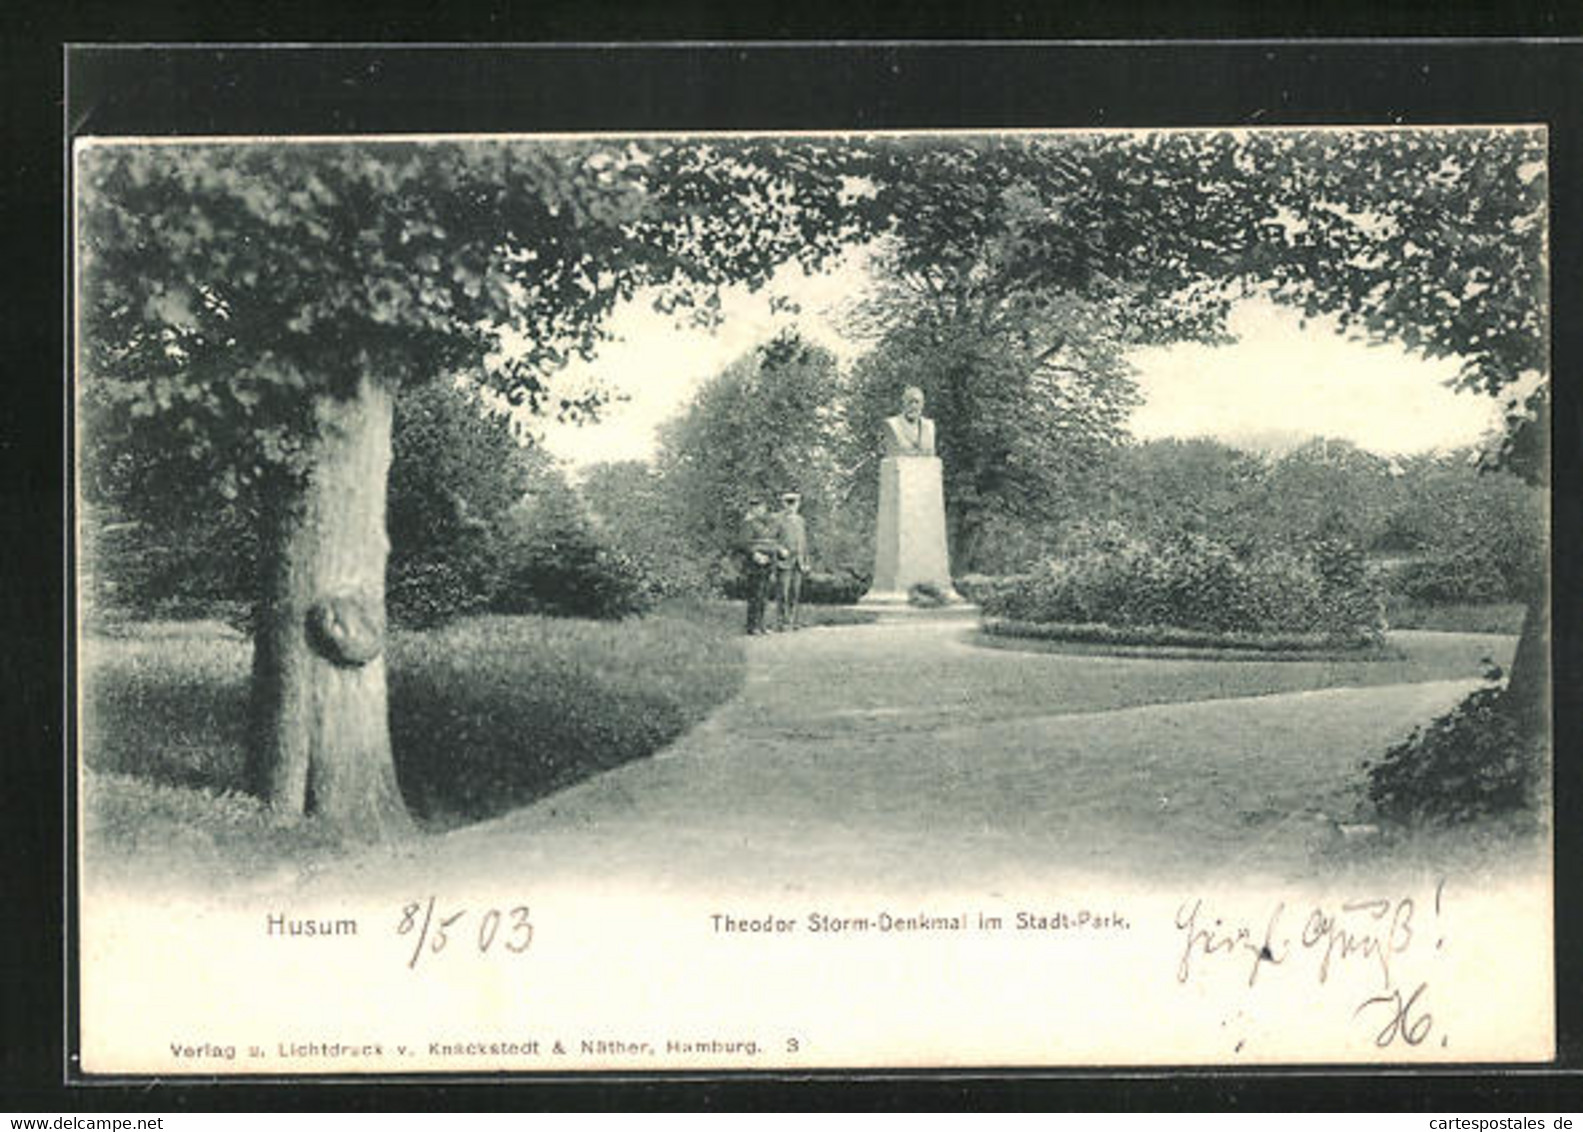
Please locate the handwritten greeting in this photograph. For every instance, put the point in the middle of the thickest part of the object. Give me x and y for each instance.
(1319, 942)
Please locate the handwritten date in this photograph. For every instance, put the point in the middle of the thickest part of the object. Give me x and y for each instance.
(511, 928)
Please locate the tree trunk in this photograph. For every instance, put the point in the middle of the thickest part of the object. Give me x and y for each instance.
(1528, 689)
(321, 731)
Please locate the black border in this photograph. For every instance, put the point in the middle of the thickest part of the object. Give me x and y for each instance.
(764, 85)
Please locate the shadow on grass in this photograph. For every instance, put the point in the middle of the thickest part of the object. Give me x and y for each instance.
(493, 713)
(486, 714)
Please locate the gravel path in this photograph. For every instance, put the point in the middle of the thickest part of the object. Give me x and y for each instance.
(903, 755)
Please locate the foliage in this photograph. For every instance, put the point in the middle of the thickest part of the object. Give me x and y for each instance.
(635, 513)
(926, 595)
(1019, 431)
(181, 565)
(556, 563)
(844, 588)
(492, 713)
(977, 588)
(228, 284)
(1004, 231)
(1450, 531)
(1475, 535)
(1434, 239)
(818, 587)
(1476, 761)
(456, 470)
(762, 426)
(1107, 576)
(1461, 576)
(1155, 638)
(1325, 488)
(1198, 486)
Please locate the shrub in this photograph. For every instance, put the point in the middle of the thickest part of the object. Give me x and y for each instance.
(423, 592)
(576, 579)
(1187, 581)
(556, 564)
(926, 595)
(191, 568)
(1465, 575)
(843, 588)
(818, 587)
(491, 713)
(977, 588)
(1475, 761)
(1283, 645)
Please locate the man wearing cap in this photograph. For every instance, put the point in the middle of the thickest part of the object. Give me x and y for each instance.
(759, 548)
(792, 562)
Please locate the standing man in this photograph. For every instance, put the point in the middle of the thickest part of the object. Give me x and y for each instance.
(759, 547)
(792, 562)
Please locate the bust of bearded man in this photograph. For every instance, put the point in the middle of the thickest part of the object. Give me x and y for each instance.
(910, 433)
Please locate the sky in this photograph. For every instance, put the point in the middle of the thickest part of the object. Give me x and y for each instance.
(1281, 383)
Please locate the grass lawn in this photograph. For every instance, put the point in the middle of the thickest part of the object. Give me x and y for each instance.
(486, 714)
(491, 713)
(907, 682)
(731, 616)
(903, 758)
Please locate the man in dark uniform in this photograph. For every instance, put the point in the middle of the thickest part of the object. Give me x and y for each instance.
(792, 562)
(759, 549)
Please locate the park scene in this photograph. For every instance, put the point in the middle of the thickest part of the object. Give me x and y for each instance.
(793, 509)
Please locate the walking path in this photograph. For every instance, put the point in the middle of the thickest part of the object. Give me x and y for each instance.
(904, 755)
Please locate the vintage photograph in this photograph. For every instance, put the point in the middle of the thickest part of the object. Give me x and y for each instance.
(802, 600)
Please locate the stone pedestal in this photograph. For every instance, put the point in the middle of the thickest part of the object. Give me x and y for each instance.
(909, 538)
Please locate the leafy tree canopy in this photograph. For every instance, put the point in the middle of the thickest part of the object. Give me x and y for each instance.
(765, 424)
(221, 282)
(225, 285)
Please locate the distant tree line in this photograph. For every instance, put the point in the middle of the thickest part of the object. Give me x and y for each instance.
(479, 521)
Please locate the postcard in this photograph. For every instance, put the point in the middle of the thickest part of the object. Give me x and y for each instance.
(787, 601)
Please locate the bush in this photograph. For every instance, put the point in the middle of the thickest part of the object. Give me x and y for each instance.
(1477, 761)
(818, 587)
(556, 564)
(491, 713)
(456, 471)
(844, 588)
(1302, 646)
(926, 595)
(1187, 581)
(422, 592)
(1461, 576)
(192, 569)
(978, 588)
(575, 579)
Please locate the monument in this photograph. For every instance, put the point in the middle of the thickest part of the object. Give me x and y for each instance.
(909, 536)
